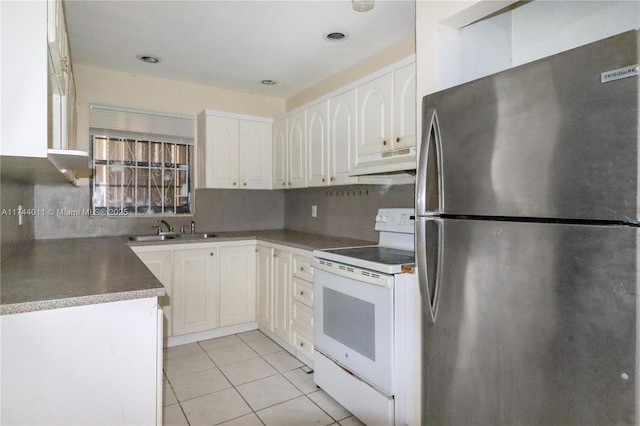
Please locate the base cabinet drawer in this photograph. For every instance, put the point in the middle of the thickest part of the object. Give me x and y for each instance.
(302, 291)
(303, 341)
(302, 316)
(302, 267)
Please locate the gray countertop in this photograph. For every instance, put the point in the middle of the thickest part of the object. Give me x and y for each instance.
(51, 274)
(301, 240)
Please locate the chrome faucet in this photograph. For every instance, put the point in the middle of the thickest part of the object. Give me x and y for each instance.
(169, 227)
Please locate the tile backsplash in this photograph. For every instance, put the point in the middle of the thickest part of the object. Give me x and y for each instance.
(346, 211)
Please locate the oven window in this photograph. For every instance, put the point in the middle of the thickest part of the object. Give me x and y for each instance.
(350, 321)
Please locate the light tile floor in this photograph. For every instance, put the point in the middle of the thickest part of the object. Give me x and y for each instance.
(244, 379)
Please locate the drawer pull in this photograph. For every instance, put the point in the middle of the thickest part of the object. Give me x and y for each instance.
(302, 293)
(302, 269)
(302, 344)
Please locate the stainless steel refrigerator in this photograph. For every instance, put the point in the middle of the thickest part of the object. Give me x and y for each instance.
(527, 243)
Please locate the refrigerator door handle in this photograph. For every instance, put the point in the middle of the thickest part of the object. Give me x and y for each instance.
(429, 188)
(429, 246)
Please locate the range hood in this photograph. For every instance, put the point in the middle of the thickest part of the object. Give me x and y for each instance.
(392, 162)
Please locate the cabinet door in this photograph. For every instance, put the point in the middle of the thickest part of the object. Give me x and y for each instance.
(404, 107)
(282, 294)
(221, 164)
(280, 155)
(159, 263)
(237, 285)
(264, 280)
(297, 150)
(374, 116)
(195, 290)
(342, 138)
(254, 169)
(317, 145)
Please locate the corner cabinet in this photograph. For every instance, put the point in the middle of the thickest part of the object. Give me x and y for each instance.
(233, 152)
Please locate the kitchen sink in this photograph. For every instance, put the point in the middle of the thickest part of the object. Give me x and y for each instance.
(149, 238)
(197, 236)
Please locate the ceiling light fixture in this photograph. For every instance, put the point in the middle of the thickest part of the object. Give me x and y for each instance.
(269, 82)
(362, 5)
(148, 59)
(335, 36)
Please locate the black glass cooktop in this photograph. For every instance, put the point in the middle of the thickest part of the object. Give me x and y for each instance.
(383, 255)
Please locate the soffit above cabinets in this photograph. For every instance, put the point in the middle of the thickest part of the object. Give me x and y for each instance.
(234, 44)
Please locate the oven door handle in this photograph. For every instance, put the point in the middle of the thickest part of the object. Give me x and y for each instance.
(353, 273)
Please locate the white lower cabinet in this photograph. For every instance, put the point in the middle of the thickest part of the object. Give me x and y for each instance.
(264, 287)
(284, 302)
(159, 262)
(230, 284)
(84, 365)
(237, 285)
(282, 293)
(195, 290)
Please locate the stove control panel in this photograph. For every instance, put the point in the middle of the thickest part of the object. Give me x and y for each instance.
(395, 220)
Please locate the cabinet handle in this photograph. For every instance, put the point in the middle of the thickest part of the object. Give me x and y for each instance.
(244, 184)
(302, 344)
(234, 184)
(302, 269)
(332, 178)
(397, 139)
(323, 179)
(210, 254)
(302, 293)
(284, 183)
(384, 142)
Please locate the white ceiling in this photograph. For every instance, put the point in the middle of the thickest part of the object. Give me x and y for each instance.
(234, 44)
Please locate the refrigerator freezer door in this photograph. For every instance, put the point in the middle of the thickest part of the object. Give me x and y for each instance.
(536, 324)
(545, 140)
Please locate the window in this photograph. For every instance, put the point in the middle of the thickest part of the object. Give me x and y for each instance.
(136, 176)
(141, 161)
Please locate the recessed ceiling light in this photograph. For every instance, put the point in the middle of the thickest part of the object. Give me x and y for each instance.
(148, 59)
(335, 36)
(269, 82)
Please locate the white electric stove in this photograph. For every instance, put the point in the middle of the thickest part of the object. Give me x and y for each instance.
(359, 319)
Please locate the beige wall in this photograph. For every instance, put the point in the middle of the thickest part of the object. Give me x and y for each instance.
(401, 49)
(104, 86)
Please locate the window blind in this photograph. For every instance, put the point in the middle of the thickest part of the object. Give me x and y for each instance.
(124, 122)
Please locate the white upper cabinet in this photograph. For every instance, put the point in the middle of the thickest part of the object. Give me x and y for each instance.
(318, 145)
(374, 116)
(280, 155)
(254, 155)
(342, 138)
(221, 164)
(237, 152)
(297, 144)
(404, 107)
(40, 113)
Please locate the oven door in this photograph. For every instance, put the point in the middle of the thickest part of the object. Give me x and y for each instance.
(353, 324)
